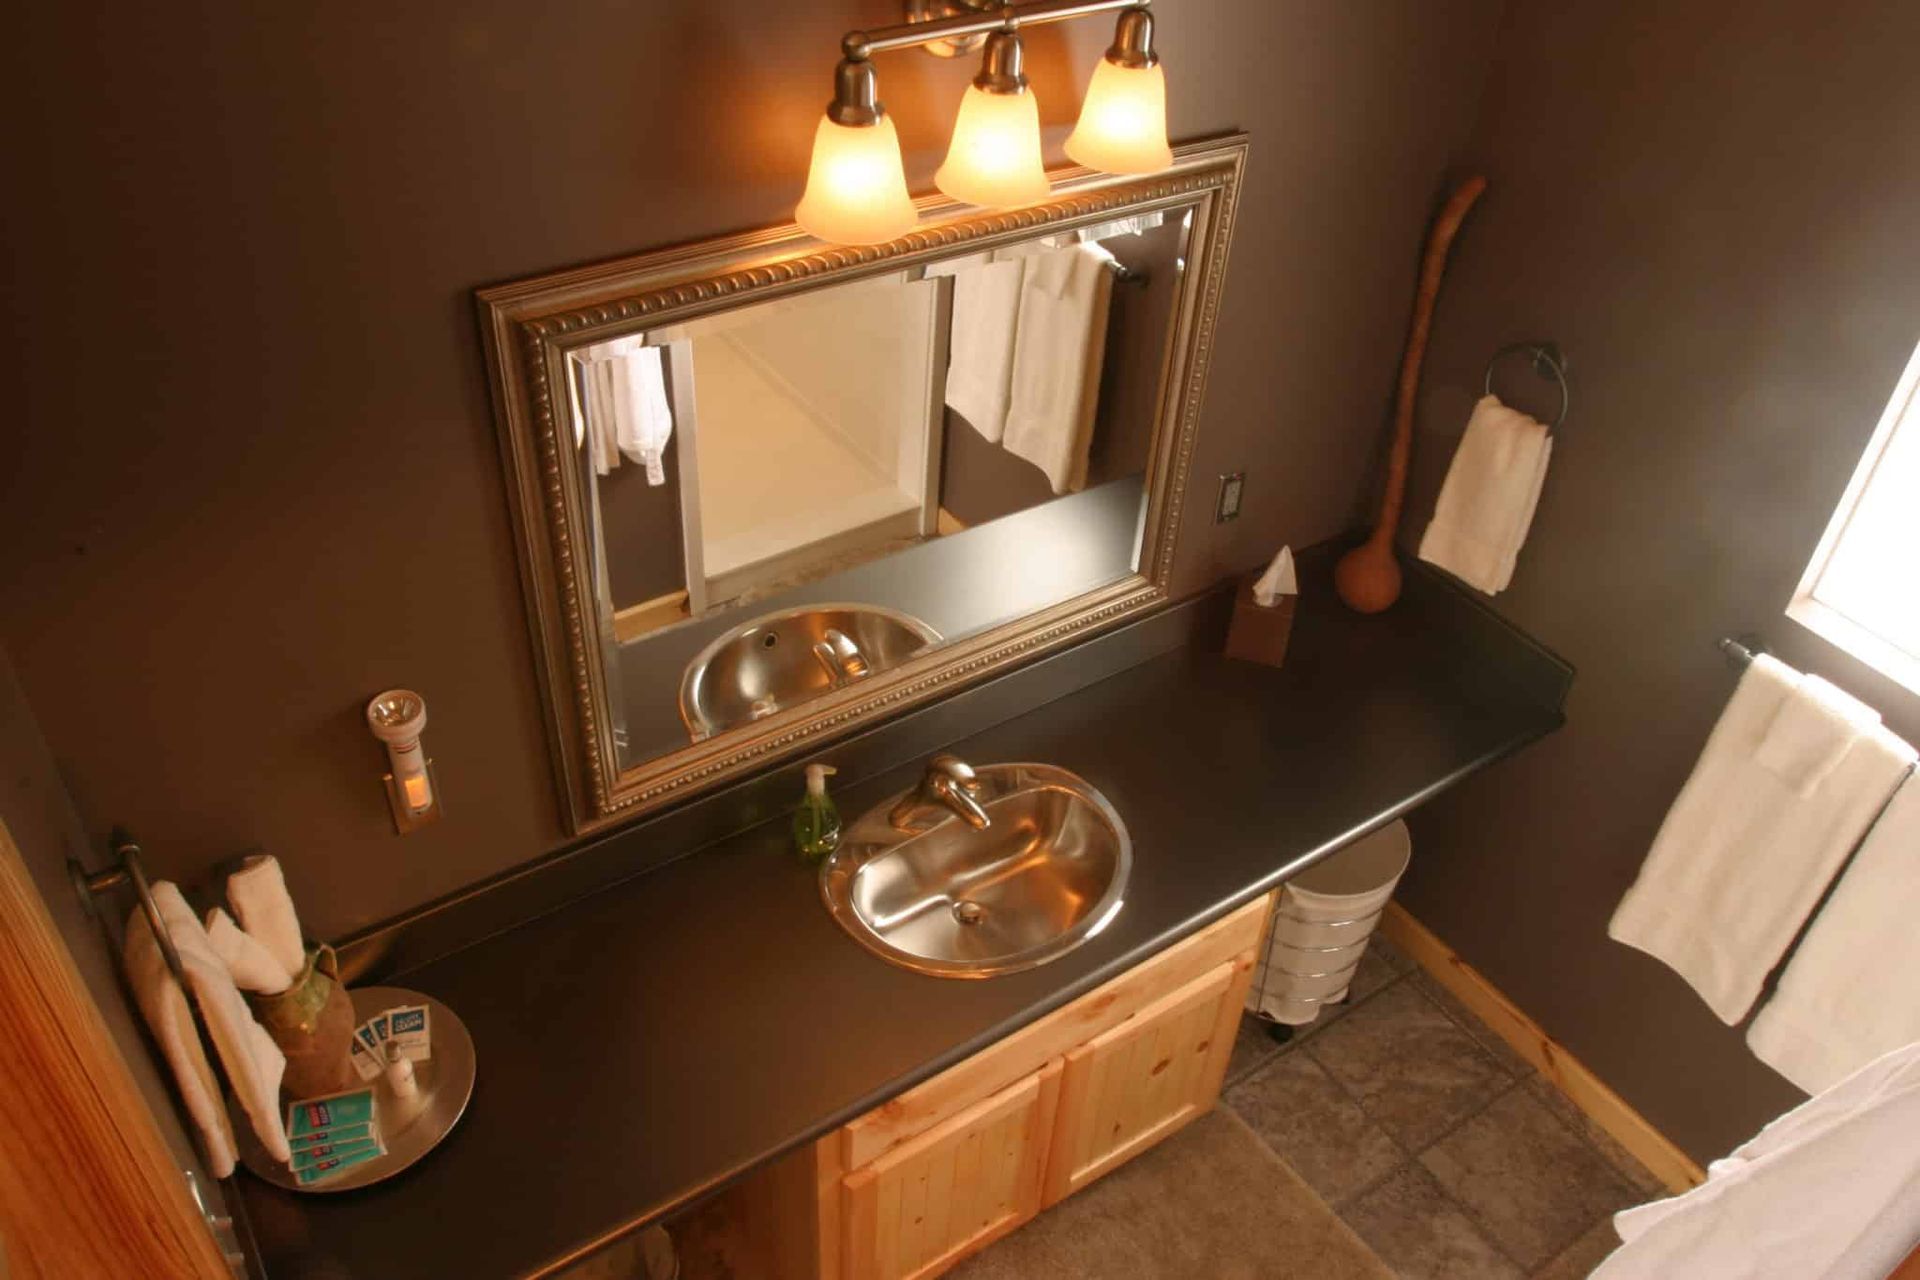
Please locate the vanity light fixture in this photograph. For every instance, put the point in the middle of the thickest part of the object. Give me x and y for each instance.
(856, 185)
(1123, 121)
(994, 158)
(398, 717)
(856, 189)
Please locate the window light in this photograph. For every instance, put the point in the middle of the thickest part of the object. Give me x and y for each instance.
(1862, 591)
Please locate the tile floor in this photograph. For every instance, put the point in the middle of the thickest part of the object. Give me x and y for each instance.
(1443, 1150)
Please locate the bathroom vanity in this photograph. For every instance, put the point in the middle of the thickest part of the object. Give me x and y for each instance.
(904, 1060)
(671, 1010)
(955, 1163)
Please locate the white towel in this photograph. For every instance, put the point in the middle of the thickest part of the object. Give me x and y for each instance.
(1059, 346)
(251, 965)
(986, 307)
(1487, 500)
(1831, 1189)
(1852, 990)
(164, 1006)
(1813, 732)
(252, 1061)
(258, 895)
(627, 410)
(643, 421)
(1743, 857)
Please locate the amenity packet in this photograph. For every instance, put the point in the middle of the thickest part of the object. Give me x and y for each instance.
(335, 1166)
(336, 1111)
(365, 1060)
(312, 1157)
(338, 1136)
(409, 1032)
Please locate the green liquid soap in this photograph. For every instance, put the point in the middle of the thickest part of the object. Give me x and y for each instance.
(816, 823)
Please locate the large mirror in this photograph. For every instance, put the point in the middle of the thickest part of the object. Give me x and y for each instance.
(766, 489)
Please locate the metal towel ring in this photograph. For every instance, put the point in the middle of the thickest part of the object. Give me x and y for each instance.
(1547, 363)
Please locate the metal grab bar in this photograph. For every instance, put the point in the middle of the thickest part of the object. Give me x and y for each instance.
(90, 886)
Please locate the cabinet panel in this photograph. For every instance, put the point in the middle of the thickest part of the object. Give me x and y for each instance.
(930, 1201)
(1023, 1052)
(1131, 1086)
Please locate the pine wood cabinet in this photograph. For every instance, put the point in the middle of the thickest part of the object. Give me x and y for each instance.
(917, 1184)
(963, 1183)
(1129, 1087)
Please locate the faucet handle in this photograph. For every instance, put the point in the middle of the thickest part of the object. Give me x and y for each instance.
(955, 768)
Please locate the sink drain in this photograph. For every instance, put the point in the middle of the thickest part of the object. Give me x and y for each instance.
(969, 912)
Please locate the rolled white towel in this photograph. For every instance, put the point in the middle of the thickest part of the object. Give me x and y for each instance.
(258, 895)
(253, 967)
(253, 1062)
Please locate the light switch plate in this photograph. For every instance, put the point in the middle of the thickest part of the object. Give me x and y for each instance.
(1228, 506)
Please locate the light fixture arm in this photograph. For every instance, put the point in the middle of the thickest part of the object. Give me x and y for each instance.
(860, 45)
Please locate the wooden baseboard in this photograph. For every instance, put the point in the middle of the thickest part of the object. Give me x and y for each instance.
(1571, 1076)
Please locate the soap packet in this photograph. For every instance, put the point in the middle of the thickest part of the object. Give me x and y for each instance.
(334, 1166)
(327, 1116)
(366, 1063)
(409, 1032)
(334, 1152)
(339, 1137)
(405, 1031)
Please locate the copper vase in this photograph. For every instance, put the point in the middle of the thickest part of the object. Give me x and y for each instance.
(312, 1022)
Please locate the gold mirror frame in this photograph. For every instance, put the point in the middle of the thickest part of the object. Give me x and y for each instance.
(531, 325)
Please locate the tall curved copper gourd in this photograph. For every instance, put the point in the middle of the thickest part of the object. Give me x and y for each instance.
(1368, 577)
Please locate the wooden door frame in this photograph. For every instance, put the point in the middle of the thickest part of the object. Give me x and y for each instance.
(87, 1184)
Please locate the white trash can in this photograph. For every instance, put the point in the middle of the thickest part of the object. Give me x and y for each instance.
(1321, 926)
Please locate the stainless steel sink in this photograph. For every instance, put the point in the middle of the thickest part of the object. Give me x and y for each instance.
(916, 882)
(777, 660)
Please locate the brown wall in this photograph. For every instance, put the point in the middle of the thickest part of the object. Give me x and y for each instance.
(252, 474)
(1711, 210)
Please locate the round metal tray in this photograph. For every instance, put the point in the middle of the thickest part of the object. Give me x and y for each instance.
(410, 1127)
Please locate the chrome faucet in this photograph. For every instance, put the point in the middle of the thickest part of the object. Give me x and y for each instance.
(949, 781)
(840, 656)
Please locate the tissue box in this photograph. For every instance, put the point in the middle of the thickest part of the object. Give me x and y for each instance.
(1258, 634)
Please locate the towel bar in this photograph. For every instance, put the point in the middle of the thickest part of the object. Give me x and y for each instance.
(1547, 363)
(90, 885)
(235, 1239)
(1742, 649)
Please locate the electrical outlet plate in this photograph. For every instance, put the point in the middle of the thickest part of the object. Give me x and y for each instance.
(1228, 506)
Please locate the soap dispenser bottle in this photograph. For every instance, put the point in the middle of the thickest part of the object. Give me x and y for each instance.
(816, 823)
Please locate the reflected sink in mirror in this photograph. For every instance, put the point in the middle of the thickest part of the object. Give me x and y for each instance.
(917, 883)
(779, 659)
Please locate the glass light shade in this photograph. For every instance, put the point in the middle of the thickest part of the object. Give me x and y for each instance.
(994, 158)
(856, 189)
(1123, 122)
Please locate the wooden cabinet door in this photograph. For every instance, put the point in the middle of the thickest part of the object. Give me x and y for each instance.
(1131, 1086)
(967, 1181)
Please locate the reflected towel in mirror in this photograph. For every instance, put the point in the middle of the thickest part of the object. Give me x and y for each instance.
(986, 304)
(627, 409)
(1059, 346)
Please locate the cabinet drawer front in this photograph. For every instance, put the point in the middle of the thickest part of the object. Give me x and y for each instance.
(1024, 1051)
(930, 1201)
(1129, 1087)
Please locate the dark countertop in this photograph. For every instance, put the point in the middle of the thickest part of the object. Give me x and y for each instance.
(643, 1045)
